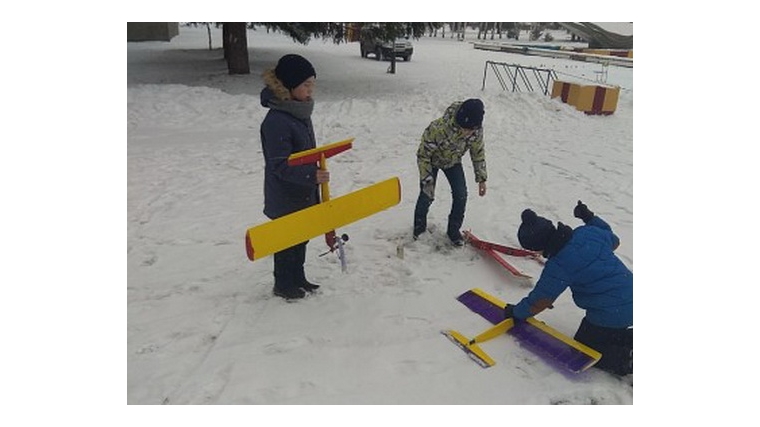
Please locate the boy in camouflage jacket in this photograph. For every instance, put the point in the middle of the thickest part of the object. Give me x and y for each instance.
(444, 143)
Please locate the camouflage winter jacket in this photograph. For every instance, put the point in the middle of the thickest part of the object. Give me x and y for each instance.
(443, 146)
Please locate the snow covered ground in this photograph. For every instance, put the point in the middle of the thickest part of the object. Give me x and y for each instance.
(203, 327)
(199, 328)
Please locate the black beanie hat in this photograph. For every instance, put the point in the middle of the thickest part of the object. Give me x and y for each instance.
(292, 70)
(470, 114)
(534, 232)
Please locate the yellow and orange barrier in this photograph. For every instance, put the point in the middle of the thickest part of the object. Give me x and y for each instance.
(591, 99)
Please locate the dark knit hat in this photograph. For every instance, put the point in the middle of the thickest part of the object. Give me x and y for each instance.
(534, 232)
(470, 114)
(292, 70)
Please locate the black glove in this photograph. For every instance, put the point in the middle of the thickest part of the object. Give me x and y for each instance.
(509, 311)
(581, 211)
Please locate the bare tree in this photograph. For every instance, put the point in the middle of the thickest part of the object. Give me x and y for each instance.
(458, 29)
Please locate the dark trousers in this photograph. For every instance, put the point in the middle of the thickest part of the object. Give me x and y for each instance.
(616, 346)
(288, 267)
(455, 176)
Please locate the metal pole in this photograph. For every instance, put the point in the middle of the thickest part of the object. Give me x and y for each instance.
(514, 80)
(501, 79)
(485, 69)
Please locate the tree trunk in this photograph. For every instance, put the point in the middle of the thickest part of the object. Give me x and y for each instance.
(225, 45)
(208, 29)
(236, 48)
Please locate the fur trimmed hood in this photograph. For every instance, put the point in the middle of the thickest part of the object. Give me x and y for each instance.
(276, 86)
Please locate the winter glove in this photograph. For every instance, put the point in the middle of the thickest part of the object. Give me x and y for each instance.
(581, 211)
(428, 186)
(509, 311)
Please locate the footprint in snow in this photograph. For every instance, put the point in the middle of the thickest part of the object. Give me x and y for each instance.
(285, 346)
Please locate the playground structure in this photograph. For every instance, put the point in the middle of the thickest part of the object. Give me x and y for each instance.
(594, 99)
(520, 78)
(617, 57)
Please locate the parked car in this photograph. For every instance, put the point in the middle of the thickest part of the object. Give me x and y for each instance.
(369, 45)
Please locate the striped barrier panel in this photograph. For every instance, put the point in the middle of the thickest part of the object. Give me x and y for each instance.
(591, 99)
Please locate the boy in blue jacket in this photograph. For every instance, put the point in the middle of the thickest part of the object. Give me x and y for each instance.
(287, 129)
(583, 260)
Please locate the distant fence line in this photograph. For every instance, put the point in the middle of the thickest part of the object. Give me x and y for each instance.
(520, 78)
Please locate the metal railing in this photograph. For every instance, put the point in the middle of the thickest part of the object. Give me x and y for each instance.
(519, 77)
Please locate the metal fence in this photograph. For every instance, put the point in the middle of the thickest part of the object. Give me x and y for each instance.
(519, 78)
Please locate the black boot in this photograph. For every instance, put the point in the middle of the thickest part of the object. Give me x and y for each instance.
(309, 287)
(420, 225)
(456, 238)
(286, 283)
(289, 293)
(298, 273)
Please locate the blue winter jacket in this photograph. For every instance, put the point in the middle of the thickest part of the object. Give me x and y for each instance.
(600, 283)
(286, 188)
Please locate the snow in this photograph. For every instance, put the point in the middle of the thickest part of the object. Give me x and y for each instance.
(64, 208)
(203, 327)
(64, 174)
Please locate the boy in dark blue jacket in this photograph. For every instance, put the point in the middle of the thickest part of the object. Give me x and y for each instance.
(583, 260)
(287, 129)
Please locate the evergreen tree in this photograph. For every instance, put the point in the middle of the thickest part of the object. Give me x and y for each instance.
(236, 45)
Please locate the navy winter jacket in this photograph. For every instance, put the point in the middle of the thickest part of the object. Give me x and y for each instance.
(286, 188)
(600, 283)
